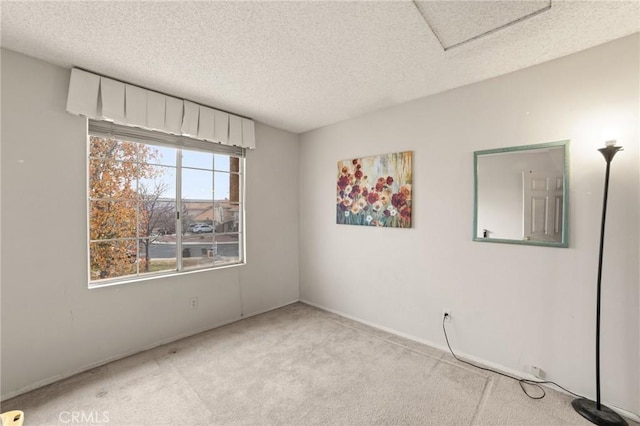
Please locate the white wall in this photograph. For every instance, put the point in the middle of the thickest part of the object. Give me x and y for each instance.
(511, 305)
(52, 325)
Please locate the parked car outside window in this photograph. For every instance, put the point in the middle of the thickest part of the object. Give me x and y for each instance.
(202, 228)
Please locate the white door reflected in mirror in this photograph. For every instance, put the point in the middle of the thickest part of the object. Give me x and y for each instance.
(542, 211)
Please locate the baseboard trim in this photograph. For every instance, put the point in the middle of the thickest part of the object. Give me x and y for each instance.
(484, 363)
(264, 311)
(123, 355)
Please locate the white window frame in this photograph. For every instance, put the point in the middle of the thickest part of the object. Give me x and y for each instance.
(107, 129)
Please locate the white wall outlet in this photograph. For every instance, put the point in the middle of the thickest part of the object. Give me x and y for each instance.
(536, 371)
(446, 314)
(193, 303)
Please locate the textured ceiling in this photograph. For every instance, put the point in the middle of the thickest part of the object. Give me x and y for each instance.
(301, 65)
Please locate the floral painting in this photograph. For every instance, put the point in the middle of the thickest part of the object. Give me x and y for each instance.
(375, 191)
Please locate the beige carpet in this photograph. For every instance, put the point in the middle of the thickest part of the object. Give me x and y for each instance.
(294, 366)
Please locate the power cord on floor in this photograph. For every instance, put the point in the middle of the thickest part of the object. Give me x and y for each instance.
(521, 382)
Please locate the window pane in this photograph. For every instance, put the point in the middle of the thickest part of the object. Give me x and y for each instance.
(158, 155)
(221, 163)
(158, 220)
(161, 250)
(112, 220)
(112, 179)
(157, 182)
(227, 249)
(197, 185)
(113, 149)
(197, 159)
(222, 185)
(234, 187)
(197, 250)
(157, 194)
(156, 257)
(226, 216)
(197, 217)
(111, 259)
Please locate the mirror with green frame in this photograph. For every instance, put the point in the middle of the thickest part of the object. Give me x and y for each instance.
(521, 195)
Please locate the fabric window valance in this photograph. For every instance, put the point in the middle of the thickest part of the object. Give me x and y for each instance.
(102, 98)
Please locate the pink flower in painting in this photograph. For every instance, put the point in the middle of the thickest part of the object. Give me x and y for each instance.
(387, 213)
(344, 170)
(389, 180)
(398, 200)
(405, 213)
(358, 174)
(379, 186)
(365, 192)
(372, 197)
(343, 181)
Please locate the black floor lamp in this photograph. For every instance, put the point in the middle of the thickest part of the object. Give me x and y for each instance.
(594, 411)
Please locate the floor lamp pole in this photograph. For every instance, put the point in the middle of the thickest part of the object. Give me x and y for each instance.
(595, 412)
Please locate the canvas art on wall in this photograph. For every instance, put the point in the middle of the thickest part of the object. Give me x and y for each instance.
(375, 191)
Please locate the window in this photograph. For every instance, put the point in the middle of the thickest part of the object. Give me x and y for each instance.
(161, 204)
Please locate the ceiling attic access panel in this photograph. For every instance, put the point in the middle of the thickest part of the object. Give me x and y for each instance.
(455, 23)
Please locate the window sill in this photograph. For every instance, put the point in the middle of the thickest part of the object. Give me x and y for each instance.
(149, 277)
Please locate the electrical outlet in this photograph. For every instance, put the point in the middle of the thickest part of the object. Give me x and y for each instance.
(446, 314)
(193, 303)
(536, 371)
